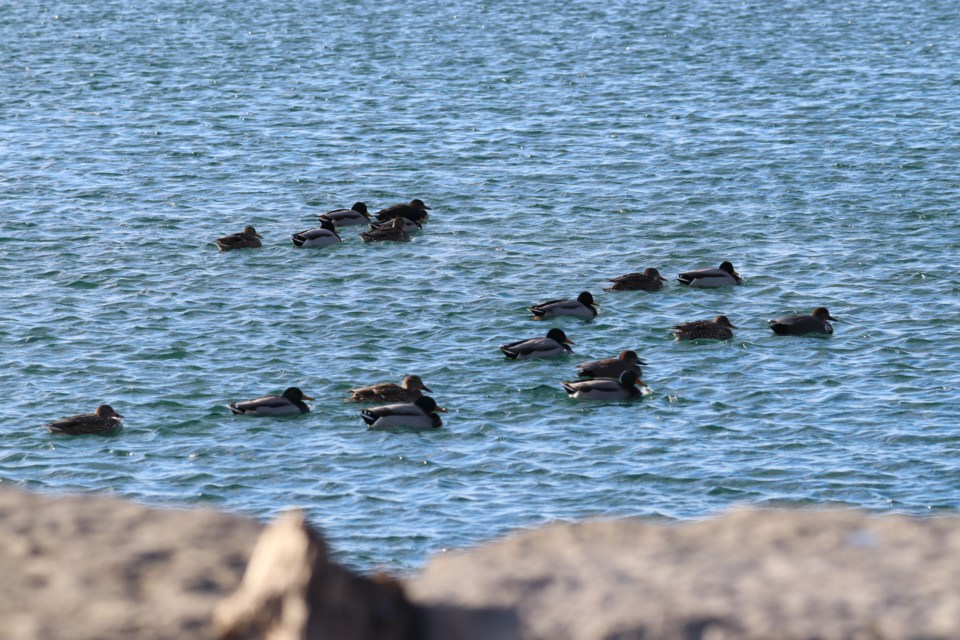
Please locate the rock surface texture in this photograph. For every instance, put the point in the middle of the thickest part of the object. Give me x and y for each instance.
(758, 575)
(90, 567)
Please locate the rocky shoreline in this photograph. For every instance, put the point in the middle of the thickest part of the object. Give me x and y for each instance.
(93, 567)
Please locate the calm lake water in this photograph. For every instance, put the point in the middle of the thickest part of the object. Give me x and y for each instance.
(559, 144)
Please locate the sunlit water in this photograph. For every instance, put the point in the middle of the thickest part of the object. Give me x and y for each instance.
(559, 144)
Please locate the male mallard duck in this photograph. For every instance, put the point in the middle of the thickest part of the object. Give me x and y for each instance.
(416, 211)
(612, 367)
(624, 388)
(649, 280)
(555, 344)
(716, 329)
(417, 415)
(103, 420)
(355, 215)
(816, 322)
(582, 307)
(710, 278)
(289, 403)
(408, 391)
(393, 233)
(408, 225)
(246, 239)
(318, 237)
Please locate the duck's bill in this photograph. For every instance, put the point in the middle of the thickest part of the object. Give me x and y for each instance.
(306, 397)
(426, 388)
(569, 341)
(441, 409)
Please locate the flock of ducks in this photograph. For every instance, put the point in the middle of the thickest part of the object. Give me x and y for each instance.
(610, 379)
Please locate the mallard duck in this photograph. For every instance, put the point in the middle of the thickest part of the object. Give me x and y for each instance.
(649, 280)
(716, 329)
(612, 367)
(416, 211)
(103, 420)
(408, 225)
(582, 307)
(417, 415)
(555, 344)
(290, 402)
(722, 276)
(320, 236)
(816, 322)
(246, 239)
(355, 215)
(408, 391)
(623, 388)
(393, 233)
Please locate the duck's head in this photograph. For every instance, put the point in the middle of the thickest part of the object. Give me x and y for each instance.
(585, 298)
(653, 274)
(630, 378)
(822, 314)
(294, 394)
(360, 207)
(329, 226)
(724, 321)
(417, 203)
(414, 383)
(428, 404)
(106, 412)
(559, 336)
(728, 267)
(630, 357)
(250, 232)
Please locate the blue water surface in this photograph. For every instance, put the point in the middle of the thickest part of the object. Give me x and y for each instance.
(559, 144)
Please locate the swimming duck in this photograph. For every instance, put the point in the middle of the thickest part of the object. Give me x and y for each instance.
(612, 367)
(408, 225)
(357, 214)
(623, 388)
(290, 402)
(393, 233)
(246, 239)
(103, 420)
(716, 329)
(417, 415)
(555, 344)
(816, 322)
(649, 280)
(408, 391)
(416, 211)
(582, 307)
(320, 236)
(710, 278)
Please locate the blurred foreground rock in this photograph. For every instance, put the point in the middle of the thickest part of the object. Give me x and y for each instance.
(99, 568)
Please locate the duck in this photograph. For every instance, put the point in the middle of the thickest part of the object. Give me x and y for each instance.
(582, 307)
(801, 325)
(355, 215)
(246, 239)
(102, 421)
(716, 329)
(416, 211)
(325, 234)
(554, 344)
(290, 402)
(420, 414)
(623, 388)
(407, 391)
(408, 225)
(649, 280)
(722, 276)
(612, 367)
(392, 233)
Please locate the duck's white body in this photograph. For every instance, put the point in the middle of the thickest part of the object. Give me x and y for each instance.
(605, 388)
(318, 237)
(348, 217)
(418, 415)
(724, 276)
